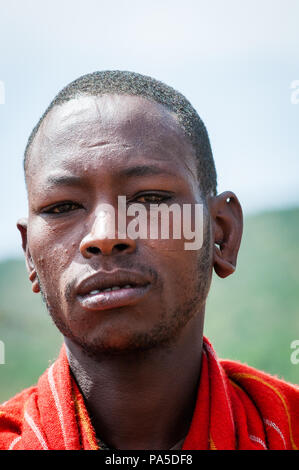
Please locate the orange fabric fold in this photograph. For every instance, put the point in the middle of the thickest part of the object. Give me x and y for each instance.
(237, 407)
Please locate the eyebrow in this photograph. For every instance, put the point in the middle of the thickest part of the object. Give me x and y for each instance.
(135, 171)
(64, 180)
(145, 170)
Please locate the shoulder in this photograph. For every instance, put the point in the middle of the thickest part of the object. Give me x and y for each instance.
(276, 400)
(249, 377)
(12, 417)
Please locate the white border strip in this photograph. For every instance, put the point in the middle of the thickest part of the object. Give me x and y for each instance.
(35, 430)
(57, 403)
(16, 439)
(274, 426)
(257, 439)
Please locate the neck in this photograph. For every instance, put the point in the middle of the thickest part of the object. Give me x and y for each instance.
(141, 400)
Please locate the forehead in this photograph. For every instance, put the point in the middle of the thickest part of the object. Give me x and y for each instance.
(110, 129)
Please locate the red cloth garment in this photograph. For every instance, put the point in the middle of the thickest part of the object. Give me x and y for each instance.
(237, 407)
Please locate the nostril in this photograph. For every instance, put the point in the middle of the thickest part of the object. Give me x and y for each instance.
(121, 246)
(107, 249)
(93, 250)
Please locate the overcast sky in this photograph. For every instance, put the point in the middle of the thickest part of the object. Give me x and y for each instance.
(234, 60)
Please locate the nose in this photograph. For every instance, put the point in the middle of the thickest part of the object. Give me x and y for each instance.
(102, 237)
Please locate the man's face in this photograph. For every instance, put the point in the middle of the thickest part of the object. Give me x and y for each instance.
(88, 152)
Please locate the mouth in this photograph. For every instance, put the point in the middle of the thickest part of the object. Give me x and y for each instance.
(113, 297)
(106, 291)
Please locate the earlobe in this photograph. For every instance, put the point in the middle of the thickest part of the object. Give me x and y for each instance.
(227, 221)
(22, 227)
(222, 266)
(35, 284)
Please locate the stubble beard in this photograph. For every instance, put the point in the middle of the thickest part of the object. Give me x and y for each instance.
(166, 331)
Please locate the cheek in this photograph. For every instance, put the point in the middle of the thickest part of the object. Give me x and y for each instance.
(180, 260)
(51, 249)
(178, 267)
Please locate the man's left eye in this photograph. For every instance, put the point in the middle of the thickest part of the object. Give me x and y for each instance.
(152, 198)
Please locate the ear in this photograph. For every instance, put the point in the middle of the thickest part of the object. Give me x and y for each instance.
(22, 225)
(227, 221)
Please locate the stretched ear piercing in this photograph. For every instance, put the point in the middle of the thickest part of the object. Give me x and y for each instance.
(35, 284)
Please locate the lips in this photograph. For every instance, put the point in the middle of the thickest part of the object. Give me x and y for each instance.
(107, 290)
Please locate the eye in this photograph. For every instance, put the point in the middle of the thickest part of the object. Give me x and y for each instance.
(152, 198)
(62, 208)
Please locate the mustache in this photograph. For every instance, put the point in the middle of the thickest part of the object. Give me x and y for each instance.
(146, 270)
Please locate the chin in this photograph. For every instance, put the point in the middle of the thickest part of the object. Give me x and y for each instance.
(120, 334)
(99, 348)
(119, 344)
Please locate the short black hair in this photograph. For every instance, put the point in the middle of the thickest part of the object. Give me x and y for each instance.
(131, 83)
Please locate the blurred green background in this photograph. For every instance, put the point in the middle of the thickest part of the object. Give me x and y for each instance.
(252, 316)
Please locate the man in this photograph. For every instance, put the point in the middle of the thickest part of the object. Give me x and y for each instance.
(135, 371)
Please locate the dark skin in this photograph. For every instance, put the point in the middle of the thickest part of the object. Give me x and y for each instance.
(137, 365)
